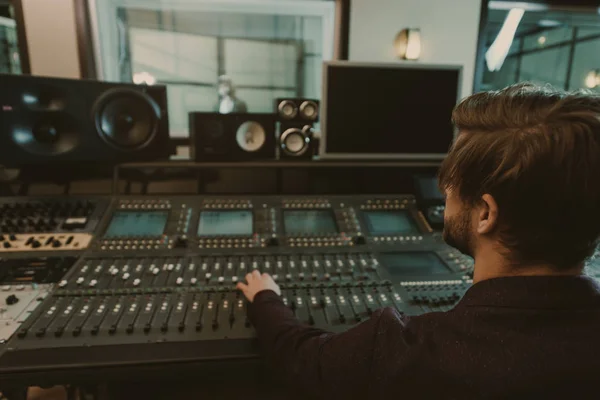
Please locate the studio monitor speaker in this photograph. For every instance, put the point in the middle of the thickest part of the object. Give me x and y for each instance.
(297, 110)
(232, 137)
(295, 119)
(65, 121)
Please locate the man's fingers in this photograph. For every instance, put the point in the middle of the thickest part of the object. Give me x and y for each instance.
(249, 277)
(241, 286)
(256, 273)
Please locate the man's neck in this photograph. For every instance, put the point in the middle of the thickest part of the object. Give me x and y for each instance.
(495, 266)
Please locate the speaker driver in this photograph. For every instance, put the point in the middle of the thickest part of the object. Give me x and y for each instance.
(287, 110)
(309, 110)
(294, 142)
(126, 119)
(251, 136)
(49, 135)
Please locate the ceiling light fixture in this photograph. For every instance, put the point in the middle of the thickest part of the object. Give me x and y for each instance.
(592, 79)
(498, 51)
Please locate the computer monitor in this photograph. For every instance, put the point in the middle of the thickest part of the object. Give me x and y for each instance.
(388, 111)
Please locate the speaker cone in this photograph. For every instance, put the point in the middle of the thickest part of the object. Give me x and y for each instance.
(49, 135)
(287, 109)
(294, 142)
(309, 110)
(251, 136)
(126, 119)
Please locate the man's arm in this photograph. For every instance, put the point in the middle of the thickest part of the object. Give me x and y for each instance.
(318, 362)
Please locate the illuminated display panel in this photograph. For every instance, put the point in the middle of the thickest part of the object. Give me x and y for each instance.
(390, 223)
(309, 221)
(414, 263)
(225, 223)
(137, 224)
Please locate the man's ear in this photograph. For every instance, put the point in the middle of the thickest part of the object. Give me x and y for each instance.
(487, 214)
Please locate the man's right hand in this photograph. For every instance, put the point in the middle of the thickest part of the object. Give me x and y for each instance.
(257, 283)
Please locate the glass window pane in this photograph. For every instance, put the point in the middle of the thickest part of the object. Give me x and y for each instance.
(585, 60)
(546, 66)
(10, 62)
(267, 50)
(262, 101)
(261, 63)
(547, 38)
(587, 32)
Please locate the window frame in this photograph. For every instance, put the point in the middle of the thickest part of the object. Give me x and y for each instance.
(21, 34)
(325, 10)
(529, 6)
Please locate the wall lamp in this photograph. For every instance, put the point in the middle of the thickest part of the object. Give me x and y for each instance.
(408, 44)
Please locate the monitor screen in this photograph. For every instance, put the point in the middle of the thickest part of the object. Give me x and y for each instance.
(137, 224)
(373, 109)
(225, 223)
(309, 222)
(390, 223)
(414, 263)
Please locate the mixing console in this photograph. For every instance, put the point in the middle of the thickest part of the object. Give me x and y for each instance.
(157, 282)
(48, 225)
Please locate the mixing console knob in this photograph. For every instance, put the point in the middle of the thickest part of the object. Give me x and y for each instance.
(136, 282)
(358, 240)
(36, 244)
(193, 281)
(234, 279)
(56, 243)
(181, 242)
(62, 283)
(155, 271)
(93, 283)
(80, 280)
(12, 299)
(207, 276)
(221, 279)
(275, 277)
(179, 281)
(125, 276)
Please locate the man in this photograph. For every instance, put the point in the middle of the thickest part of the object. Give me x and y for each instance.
(228, 100)
(522, 183)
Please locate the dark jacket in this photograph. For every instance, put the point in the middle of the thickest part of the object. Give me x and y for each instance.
(517, 337)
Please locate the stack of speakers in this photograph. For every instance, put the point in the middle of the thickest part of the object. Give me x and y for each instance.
(296, 118)
(55, 121)
(285, 134)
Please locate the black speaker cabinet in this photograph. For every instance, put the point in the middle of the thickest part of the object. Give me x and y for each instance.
(232, 137)
(63, 121)
(297, 110)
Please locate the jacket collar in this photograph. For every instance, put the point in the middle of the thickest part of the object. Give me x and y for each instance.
(551, 292)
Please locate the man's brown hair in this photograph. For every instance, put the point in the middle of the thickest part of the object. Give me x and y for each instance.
(536, 150)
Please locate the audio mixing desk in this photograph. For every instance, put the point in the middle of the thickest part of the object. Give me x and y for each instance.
(154, 284)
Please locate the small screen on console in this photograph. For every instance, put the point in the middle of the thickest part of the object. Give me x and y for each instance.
(390, 223)
(414, 263)
(137, 224)
(225, 223)
(309, 221)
